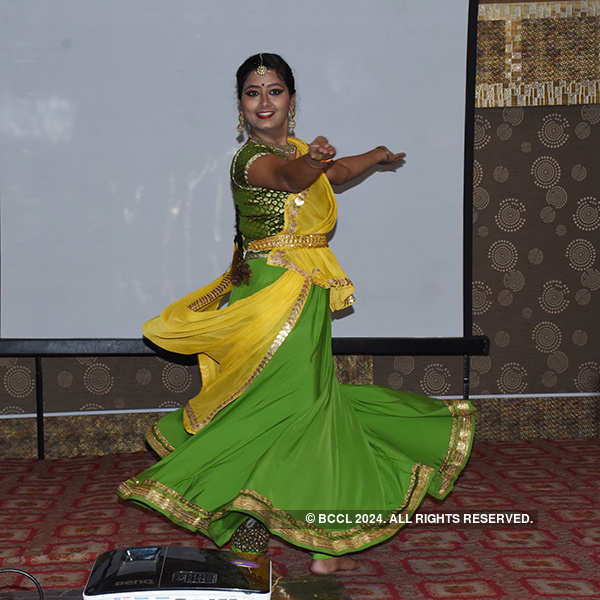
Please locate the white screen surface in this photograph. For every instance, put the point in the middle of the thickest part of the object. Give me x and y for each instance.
(117, 127)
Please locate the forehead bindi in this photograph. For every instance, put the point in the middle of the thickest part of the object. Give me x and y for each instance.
(269, 79)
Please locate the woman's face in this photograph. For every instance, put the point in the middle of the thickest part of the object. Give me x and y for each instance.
(265, 104)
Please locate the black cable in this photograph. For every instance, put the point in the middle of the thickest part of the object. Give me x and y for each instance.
(37, 583)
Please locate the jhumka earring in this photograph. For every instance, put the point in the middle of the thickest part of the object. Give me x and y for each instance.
(240, 126)
(291, 120)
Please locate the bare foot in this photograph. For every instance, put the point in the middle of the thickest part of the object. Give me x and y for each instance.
(331, 565)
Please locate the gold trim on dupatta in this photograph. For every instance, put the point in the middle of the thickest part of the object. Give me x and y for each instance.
(294, 314)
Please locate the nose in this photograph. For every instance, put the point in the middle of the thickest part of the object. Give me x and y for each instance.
(265, 99)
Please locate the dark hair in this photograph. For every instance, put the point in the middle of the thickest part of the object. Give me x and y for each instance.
(240, 270)
(271, 61)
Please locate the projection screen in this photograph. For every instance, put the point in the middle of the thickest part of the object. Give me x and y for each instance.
(118, 124)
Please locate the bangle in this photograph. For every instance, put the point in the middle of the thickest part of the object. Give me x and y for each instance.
(320, 163)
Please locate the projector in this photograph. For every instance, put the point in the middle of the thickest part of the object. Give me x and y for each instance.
(178, 573)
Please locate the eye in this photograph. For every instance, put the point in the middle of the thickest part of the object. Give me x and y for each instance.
(276, 91)
(251, 93)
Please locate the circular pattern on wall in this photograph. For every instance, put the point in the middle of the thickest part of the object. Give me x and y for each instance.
(482, 298)
(560, 230)
(581, 254)
(98, 379)
(547, 214)
(527, 312)
(545, 171)
(87, 360)
(176, 378)
(583, 297)
(554, 298)
(526, 147)
(480, 136)
(504, 132)
(435, 379)
(549, 379)
(169, 404)
(558, 361)
(482, 364)
(511, 215)
(11, 410)
(64, 379)
(500, 174)
(588, 377)
(477, 173)
(481, 198)
(546, 336)
(503, 255)
(587, 214)
(513, 378)
(557, 197)
(590, 279)
(18, 381)
(514, 281)
(591, 113)
(535, 256)
(395, 380)
(505, 297)
(92, 406)
(578, 172)
(476, 329)
(553, 132)
(579, 337)
(502, 339)
(143, 376)
(583, 130)
(513, 115)
(404, 364)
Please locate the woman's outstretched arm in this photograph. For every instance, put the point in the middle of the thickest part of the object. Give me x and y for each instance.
(347, 168)
(276, 173)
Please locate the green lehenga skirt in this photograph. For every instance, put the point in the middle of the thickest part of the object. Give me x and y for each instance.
(297, 441)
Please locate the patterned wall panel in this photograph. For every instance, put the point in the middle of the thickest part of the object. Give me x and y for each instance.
(538, 53)
(17, 392)
(117, 383)
(536, 218)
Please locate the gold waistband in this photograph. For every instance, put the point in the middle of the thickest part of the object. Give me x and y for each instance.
(289, 240)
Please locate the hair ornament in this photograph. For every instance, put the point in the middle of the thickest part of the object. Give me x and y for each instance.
(261, 69)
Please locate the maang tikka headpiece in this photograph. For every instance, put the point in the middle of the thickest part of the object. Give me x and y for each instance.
(261, 69)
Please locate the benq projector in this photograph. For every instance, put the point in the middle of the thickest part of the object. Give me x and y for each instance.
(178, 573)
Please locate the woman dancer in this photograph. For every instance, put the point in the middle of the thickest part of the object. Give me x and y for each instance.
(272, 434)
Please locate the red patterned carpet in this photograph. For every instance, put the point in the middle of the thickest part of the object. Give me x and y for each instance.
(57, 516)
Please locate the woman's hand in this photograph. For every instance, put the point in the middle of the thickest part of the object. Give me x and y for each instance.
(386, 157)
(321, 149)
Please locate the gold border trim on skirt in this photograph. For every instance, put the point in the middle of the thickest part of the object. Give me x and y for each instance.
(278, 521)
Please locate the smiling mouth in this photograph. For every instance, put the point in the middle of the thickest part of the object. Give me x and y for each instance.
(265, 115)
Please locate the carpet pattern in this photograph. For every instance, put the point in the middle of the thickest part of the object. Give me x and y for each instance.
(57, 516)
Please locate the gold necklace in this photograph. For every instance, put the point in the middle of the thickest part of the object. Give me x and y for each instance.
(289, 149)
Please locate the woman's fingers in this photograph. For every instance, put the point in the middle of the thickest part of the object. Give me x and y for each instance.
(389, 157)
(321, 149)
(320, 140)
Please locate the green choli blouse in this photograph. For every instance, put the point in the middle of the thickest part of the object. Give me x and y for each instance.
(261, 210)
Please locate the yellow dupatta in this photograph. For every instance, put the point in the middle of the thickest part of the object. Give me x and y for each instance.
(234, 343)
